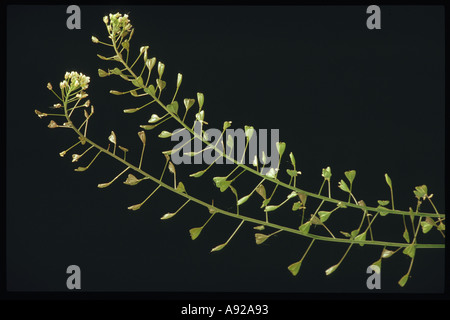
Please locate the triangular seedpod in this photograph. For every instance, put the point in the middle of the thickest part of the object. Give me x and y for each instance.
(112, 137)
(188, 103)
(260, 238)
(131, 180)
(195, 232)
(141, 135)
(295, 267)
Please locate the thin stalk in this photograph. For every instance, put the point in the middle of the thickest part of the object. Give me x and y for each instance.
(142, 155)
(309, 247)
(238, 227)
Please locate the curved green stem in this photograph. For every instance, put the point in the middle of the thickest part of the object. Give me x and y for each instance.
(273, 180)
(241, 217)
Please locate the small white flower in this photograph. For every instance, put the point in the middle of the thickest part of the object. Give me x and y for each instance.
(75, 80)
(84, 81)
(75, 83)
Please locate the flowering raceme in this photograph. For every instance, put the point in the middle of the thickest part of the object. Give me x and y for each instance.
(118, 24)
(74, 81)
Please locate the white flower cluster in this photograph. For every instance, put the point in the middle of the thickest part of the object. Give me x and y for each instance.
(118, 24)
(75, 80)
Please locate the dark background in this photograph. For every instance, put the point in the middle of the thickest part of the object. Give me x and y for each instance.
(342, 96)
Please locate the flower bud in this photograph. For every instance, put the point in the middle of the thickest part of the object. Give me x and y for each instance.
(94, 39)
(49, 86)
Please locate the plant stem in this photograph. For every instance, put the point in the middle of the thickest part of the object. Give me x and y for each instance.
(246, 218)
(273, 180)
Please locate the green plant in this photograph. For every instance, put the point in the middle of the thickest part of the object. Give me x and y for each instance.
(148, 82)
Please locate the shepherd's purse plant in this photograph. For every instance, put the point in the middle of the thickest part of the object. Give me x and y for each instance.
(143, 78)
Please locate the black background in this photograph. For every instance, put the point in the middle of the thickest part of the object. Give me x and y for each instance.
(342, 96)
